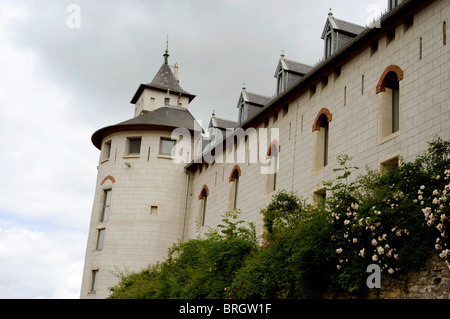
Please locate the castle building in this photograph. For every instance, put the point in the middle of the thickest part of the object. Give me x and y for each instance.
(379, 95)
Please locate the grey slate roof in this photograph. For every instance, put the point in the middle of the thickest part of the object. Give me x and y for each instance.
(164, 80)
(349, 27)
(166, 117)
(258, 99)
(297, 67)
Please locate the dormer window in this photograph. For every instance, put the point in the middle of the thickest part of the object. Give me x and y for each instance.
(242, 112)
(280, 83)
(328, 44)
(337, 33)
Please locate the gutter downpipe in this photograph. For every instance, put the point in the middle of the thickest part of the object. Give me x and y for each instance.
(185, 205)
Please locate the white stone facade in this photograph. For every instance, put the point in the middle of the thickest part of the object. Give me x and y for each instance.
(347, 89)
(146, 209)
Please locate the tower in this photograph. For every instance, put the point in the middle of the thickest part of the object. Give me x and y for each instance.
(139, 202)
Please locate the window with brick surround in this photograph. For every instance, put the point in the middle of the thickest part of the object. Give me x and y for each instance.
(234, 179)
(203, 197)
(321, 130)
(389, 93)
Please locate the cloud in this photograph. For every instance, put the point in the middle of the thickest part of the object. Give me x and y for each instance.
(35, 265)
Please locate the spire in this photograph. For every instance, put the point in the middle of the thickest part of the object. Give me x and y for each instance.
(166, 55)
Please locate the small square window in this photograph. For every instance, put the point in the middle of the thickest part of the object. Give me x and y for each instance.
(134, 146)
(166, 146)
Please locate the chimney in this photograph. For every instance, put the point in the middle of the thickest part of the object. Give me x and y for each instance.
(176, 72)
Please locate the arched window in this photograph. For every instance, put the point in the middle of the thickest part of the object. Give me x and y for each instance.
(234, 178)
(203, 197)
(389, 91)
(321, 129)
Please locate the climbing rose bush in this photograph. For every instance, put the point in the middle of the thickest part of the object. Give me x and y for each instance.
(437, 216)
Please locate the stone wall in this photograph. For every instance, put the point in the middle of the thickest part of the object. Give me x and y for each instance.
(432, 282)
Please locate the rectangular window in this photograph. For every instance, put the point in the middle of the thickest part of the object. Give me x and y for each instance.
(166, 146)
(280, 83)
(204, 210)
(325, 146)
(106, 203)
(345, 96)
(153, 210)
(94, 278)
(362, 84)
(420, 48)
(106, 152)
(395, 110)
(328, 47)
(100, 239)
(134, 146)
(236, 186)
(389, 164)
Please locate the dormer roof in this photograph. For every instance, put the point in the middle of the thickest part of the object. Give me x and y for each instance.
(292, 66)
(221, 123)
(341, 25)
(253, 98)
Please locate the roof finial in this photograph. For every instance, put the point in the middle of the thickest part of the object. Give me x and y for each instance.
(166, 55)
(214, 113)
(282, 54)
(243, 86)
(330, 13)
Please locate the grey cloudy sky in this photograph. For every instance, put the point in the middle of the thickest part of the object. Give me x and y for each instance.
(58, 85)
